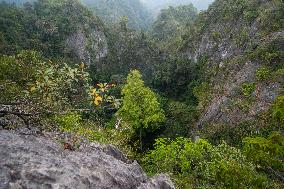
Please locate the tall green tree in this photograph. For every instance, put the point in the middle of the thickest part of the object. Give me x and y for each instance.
(141, 109)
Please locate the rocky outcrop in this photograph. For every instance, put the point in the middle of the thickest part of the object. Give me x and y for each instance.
(30, 161)
(229, 106)
(160, 181)
(231, 46)
(88, 46)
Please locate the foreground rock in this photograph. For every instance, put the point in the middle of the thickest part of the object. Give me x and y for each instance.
(29, 161)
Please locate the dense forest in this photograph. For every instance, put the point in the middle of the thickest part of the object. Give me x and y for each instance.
(194, 94)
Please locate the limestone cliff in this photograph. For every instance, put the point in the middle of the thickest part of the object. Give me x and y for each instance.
(30, 161)
(88, 47)
(235, 43)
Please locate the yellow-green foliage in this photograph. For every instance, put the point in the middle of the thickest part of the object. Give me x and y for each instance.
(202, 165)
(141, 108)
(278, 109)
(248, 89)
(79, 129)
(262, 74)
(73, 123)
(69, 122)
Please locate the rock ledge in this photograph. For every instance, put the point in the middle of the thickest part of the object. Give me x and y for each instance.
(29, 161)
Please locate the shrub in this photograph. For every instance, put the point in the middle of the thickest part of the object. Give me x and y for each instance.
(207, 166)
(69, 122)
(269, 54)
(278, 109)
(46, 85)
(242, 38)
(266, 152)
(16, 73)
(59, 86)
(262, 74)
(73, 123)
(227, 167)
(248, 89)
(176, 157)
(46, 88)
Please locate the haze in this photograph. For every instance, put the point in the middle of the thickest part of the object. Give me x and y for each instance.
(159, 4)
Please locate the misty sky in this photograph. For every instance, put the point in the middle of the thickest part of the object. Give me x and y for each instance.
(158, 4)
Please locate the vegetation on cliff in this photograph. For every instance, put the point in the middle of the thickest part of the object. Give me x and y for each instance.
(198, 96)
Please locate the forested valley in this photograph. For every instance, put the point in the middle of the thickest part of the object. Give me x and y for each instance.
(195, 94)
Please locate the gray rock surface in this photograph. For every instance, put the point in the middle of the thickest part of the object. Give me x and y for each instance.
(30, 161)
(225, 45)
(88, 46)
(227, 98)
(160, 181)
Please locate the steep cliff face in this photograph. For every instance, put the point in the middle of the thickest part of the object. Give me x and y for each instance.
(83, 34)
(88, 47)
(29, 161)
(239, 47)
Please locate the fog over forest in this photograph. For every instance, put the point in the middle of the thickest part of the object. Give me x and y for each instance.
(141, 13)
(156, 4)
(159, 4)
